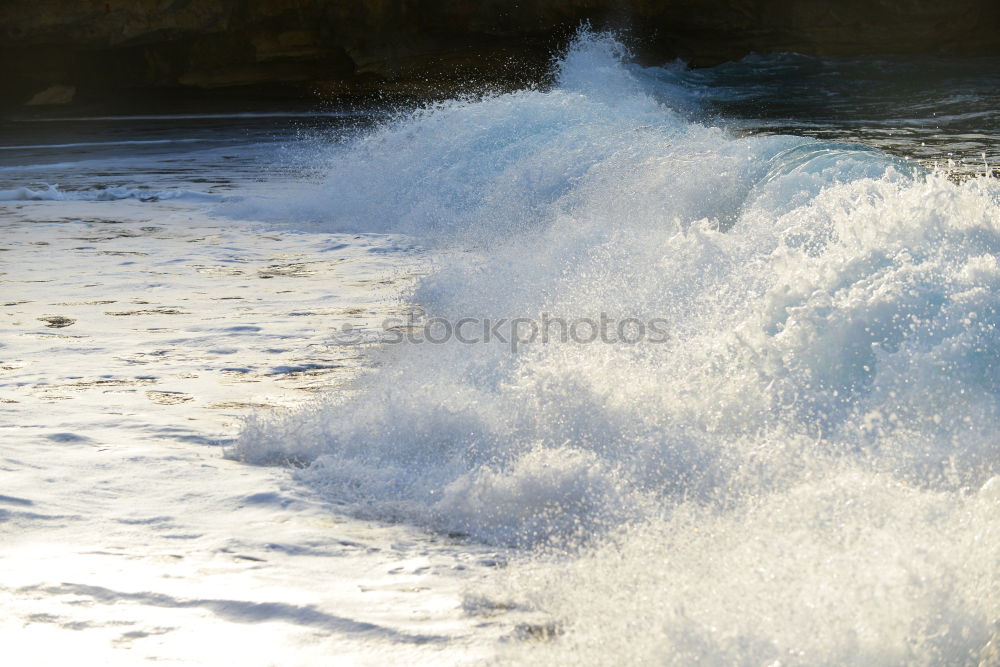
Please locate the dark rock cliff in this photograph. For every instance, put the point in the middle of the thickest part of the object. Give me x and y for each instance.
(54, 49)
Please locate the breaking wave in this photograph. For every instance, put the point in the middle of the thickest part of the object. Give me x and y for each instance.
(803, 473)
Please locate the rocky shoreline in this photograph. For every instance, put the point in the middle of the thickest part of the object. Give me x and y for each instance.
(78, 51)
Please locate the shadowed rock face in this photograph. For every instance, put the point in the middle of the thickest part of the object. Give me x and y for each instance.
(350, 48)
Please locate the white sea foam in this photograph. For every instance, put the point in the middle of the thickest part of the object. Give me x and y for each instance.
(53, 193)
(791, 478)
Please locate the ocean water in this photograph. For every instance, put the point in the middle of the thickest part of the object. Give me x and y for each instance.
(930, 109)
(208, 155)
(802, 470)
